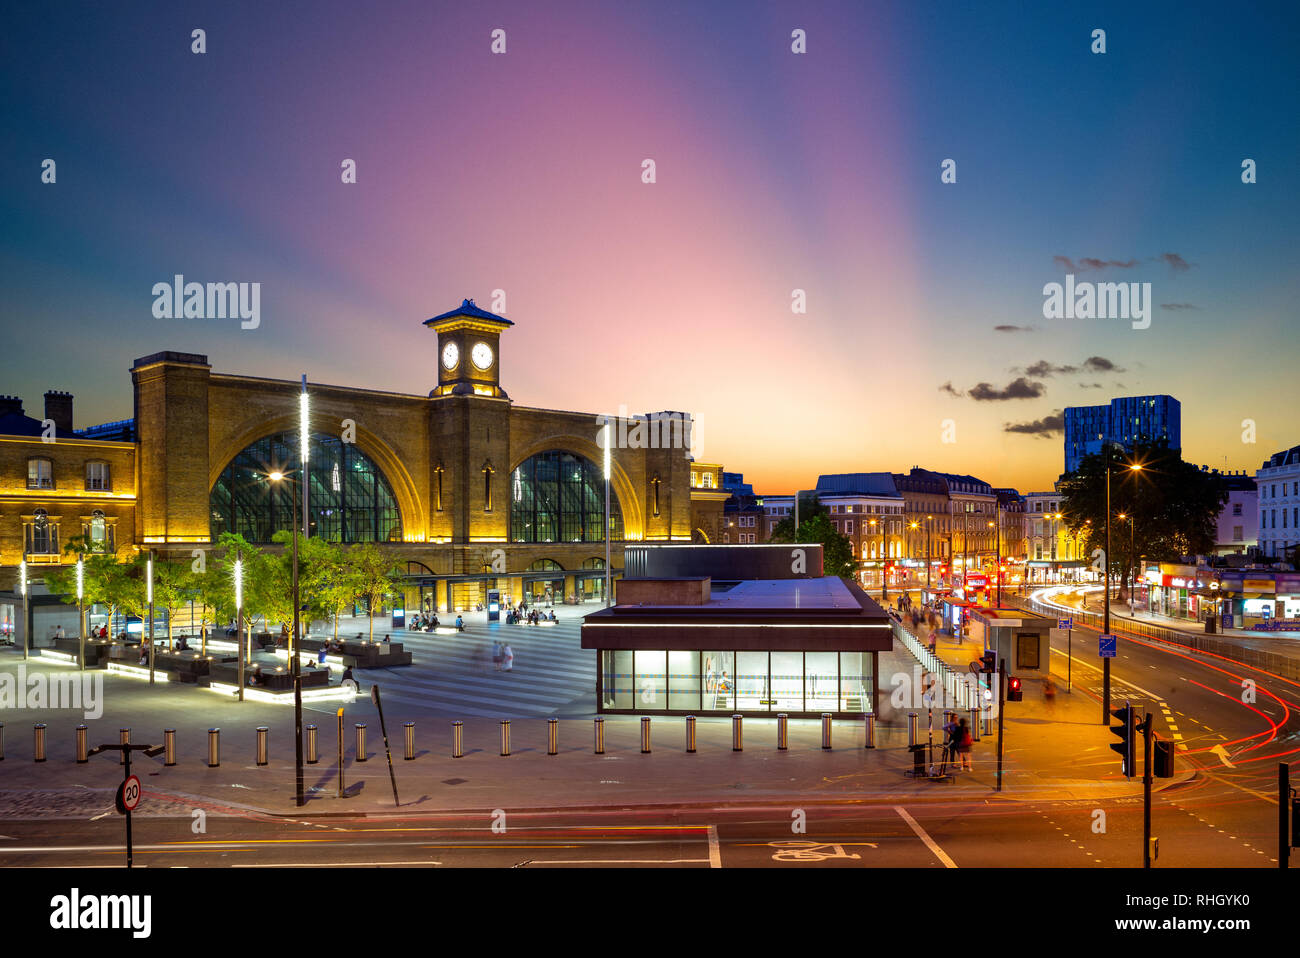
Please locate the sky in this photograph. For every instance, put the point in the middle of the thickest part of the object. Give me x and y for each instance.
(924, 340)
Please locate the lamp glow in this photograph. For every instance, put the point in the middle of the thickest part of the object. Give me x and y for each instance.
(149, 581)
(303, 414)
(239, 583)
(22, 575)
(80, 580)
(607, 444)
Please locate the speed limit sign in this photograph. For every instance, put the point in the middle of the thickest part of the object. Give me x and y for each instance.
(128, 795)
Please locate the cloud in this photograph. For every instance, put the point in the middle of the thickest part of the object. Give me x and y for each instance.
(1014, 329)
(947, 388)
(1044, 368)
(1178, 306)
(1092, 263)
(1021, 388)
(1042, 428)
(1089, 385)
(1100, 364)
(1176, 262)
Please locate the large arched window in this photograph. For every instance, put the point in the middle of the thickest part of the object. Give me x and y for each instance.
(350, 499)
(558, 496)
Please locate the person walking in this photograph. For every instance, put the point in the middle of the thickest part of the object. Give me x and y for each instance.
(964, 740)
(507, 658)
(496, 655)
(460, 624)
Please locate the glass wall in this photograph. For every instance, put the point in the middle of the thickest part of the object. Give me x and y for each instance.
(737, 681)
(559, 496)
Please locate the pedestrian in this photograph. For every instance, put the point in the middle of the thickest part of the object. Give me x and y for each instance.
(321, 653)
(496, 655)
(386, 640)
(964, 744)
(460, 624)
(507, 658)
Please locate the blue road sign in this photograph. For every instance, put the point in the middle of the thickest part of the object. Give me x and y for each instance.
(1065, 623)
(1106, 646)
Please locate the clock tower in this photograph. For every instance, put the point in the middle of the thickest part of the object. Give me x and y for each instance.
(469, 362)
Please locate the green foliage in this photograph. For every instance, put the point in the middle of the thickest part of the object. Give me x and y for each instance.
(1175, 505)
(377, 575)
(815, 526)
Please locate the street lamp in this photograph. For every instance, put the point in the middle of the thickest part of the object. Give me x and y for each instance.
(929, 526)
(239, 620)
(1105, 662)
(81, 610)
(911, 542)
(997, 560)
(27, 632)
(1128, 560)
(607, 443)
(294, 664)
(148, 584)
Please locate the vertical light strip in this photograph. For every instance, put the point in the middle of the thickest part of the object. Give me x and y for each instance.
(239, 583)
(80, 580)
(149, 588)
(607, 443)
(303, 409)
(22, 574)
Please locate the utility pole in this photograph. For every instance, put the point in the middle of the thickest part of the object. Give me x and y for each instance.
(1002, 709)
(1146, 793)
(1105, 629)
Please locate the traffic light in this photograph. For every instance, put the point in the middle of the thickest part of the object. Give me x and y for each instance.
(1014, 691)
(1163, 758)
(1127, 732)
(989, 662)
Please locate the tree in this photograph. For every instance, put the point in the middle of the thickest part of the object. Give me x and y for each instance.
(216, 586)
(376, 576)
(327, 578)
(815, 526)
(104, 580)
(173, 586)
(1174, 505)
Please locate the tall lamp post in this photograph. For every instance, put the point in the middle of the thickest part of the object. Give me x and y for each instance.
(911, 550)
(607, 443)
(81, 609)
(149, 595)
(239, 620)
(27, 631)
(1105, 662)
(1128, 560)
(997, 560)
(929, 525)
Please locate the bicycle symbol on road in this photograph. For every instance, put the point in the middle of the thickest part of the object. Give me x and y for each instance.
(812, 851)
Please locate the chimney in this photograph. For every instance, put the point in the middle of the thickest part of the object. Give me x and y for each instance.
(58, 406)
(11, 405)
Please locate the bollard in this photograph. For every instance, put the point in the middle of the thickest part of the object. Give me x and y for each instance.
(782, 732)
(169, 747)
(312, 756)
(911, 729)
(410, 742)
(81, 745)
(552, 736)
(39, 744)
(361, 741)
(690, 733)
(214, 747)
(262, 757)
(975, 724)
(645, 734)
(826, 730)
(2, 741)
(599, 727)
(457, 739)
(737, 733)
(871, 730)
(124, 738)
(342, 757)
(505, 736)
(988, 722)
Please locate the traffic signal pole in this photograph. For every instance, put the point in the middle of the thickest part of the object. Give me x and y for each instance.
(1002, 703)
(1146, 793)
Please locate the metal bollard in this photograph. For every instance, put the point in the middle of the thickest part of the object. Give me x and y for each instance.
(645, 735)
(975, 724)
(737, 733)
(361, 742)
(599, 727)
(214, 747)
(911, 729)
(312, 756)
(871, 730)
(39, 745)
(457, 739)
(782, 732)
(81, 745)
(505, 736)
(988, 722)
(410, 742)
(124, 738)
(552, 736)
(169, 747)
(262, 757)
(826, 730)
(690, 733)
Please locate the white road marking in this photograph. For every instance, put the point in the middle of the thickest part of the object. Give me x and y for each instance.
(715, 853)
(921, 833)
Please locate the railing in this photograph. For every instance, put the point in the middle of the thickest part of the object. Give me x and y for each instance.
(963, 688)
(1278, 664)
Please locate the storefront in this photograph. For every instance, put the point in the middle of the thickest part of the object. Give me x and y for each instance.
(800, 646)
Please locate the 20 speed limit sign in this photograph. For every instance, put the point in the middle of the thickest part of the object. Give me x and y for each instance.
(128, 795)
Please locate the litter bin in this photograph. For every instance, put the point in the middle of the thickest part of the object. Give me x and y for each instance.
(918, 759)
(1209, 625)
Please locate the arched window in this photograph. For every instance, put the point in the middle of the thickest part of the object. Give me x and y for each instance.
(545, 565)
(558, 496)
(98, 532)
(349, 501)
(593, 563)
(41, 535)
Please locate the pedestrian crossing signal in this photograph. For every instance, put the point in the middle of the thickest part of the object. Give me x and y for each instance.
(1015, 692)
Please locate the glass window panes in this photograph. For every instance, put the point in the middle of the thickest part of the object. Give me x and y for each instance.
(787, 681)
(684, 681)
(719, 680)
(651, 680)
(349, 501)
(40, 474)
(753, 683)
(560, 496)
(856, 682)
(616, 678)
(97, 476)
(821, 679)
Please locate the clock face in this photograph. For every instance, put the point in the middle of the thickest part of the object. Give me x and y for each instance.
(482, 355)
(450, 356)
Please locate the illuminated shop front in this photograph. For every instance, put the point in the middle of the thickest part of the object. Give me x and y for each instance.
(696, 645)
